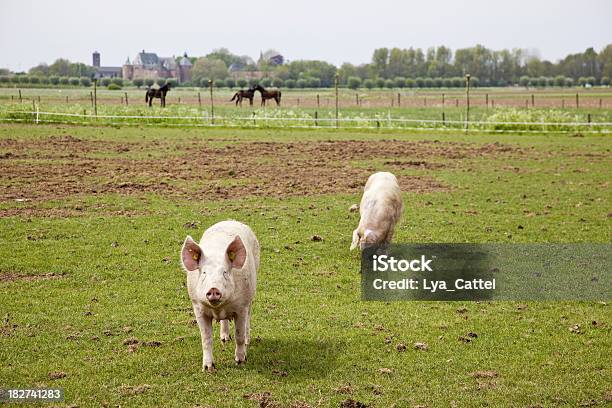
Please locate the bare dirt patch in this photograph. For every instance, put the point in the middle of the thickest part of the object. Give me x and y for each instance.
(10, 277)
(61, 167)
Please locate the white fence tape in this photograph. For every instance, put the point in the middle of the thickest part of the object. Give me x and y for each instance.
(382, 122)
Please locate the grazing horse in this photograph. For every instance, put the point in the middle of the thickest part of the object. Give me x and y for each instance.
(276, 95)
(242, 94)
(157, 93)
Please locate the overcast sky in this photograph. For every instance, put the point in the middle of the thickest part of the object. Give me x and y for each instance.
(336, 31)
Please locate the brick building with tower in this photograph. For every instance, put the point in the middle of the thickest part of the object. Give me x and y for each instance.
(105, 72)
(147, 65)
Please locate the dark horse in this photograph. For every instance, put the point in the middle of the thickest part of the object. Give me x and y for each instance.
(157, 93)
(276, 95)
(242, 94)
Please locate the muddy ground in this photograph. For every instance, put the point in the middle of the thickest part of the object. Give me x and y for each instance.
(64, 166)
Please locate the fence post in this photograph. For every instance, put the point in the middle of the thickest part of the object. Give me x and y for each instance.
(600, 103)
(487, 100)
(443, 119)
(212, 103)
(389, 119)
(317, 100)
(317, 117)
(38, 114)
(424, 101)
(589, 118)
(492, 103)
(442, 99)
(532, 100)
(457, 103)
(126, 100)
(20, 99)
(95, 97)
(254, 121)
(577, 102)
(399, 100)
(357, 99)
(199, 101)
(562, 103)
(336, 86)
(467, 98)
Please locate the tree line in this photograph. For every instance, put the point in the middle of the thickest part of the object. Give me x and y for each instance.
(388, 68)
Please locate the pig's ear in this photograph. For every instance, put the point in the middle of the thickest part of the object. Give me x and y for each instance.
(356, 238)
(236, 252)
(190, 254)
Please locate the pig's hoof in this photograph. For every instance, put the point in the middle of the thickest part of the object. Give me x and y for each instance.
(240, 361)
(225, 339)
(209, 368)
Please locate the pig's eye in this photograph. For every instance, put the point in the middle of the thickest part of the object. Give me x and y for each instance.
(225, 274)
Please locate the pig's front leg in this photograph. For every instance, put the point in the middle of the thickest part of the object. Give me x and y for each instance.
(225, 331)
(205, 325)
(241, 333)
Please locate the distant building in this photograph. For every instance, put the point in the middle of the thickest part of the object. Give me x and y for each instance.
(108, 72)
(147, 65)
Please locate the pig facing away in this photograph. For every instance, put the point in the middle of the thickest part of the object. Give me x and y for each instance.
(380, 209)
(221, 279)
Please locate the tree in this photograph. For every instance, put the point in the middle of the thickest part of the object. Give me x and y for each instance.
(35, 79)
(219, 83)
(301, 83)
(241, 82)
(419, 82)
(5, 79)
(172, 82)
(85, 81)
(400, 82)
(149, 81)
(380, 59)
(265, 82)
(290, 83)
(230, 82)
(380, 82)
(314, 82)
(560, 80)
(389, 83)
(138, 82)
(117, 81)
(54, 80)
(605, 81)
(353, 82)
(524, 81)
(368, 83)
(103, 81)
(208, 68)
(277, 82)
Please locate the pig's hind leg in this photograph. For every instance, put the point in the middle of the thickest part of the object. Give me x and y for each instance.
(225, 331)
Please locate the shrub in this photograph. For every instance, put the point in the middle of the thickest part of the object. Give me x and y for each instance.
(74, 81)
(290, 83)
(5, 79)
(266, 82)
(368, 83)
(400, 82)
(277, 82)
(389, 83)
(314, 82)
(420, 82)
(54, 80)
(533, 82)
(591, 80)
(138, 82)
(605, 81)
(113, 87)
(220, 83)
(230, 82)
(204, 82)
(34, 80)
(569, 82)
(542, 81)
(474, 82)
(354, 82)
(502, 82)
(117, 81)
(149, 82)
(438, 82)
(161, 81)
(173, 82)
(410, 83)
(301, 83)
(428, 82)
(103, 81)
(524, 80)
(380, 83)
(560, 80)
(253, 82)
(458, 82)
(241, 83)
(24, 79)
(448, 82)
(550, 81)
(582, 81)
(85, 81)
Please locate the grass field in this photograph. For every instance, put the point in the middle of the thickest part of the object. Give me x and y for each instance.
(92, 297)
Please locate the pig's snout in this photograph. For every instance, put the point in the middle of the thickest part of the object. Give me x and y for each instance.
(213, 295)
